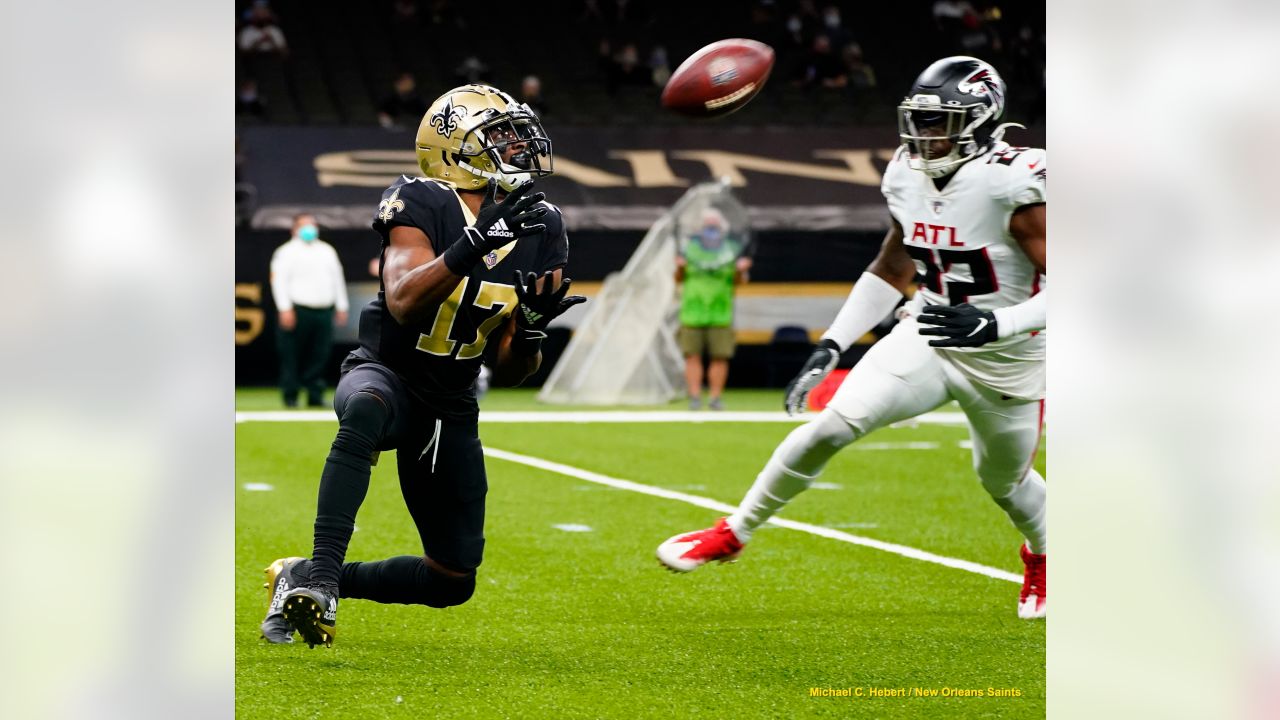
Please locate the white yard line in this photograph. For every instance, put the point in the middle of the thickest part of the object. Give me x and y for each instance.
(594, 416)
(903, 550)
(896, 446)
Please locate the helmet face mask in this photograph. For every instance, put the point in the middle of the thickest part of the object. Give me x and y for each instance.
(475, 135)
(520, 134)
(939, 137)
(949, 117)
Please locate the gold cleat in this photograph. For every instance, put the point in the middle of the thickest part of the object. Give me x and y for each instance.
(313, 612)
(280, 580)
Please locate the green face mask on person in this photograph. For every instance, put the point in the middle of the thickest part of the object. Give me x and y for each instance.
(308, 233)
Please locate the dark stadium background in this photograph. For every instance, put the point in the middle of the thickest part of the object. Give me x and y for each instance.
(323, 95)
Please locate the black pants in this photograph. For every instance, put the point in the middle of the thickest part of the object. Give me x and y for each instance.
(440, 463)
(303, 354)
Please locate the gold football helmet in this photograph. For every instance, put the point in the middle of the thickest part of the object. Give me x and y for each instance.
(467, 131)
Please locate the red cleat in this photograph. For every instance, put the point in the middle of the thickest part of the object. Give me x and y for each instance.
(1031, 601)
(689, 551)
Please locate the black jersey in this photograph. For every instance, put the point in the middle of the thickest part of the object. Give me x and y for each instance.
(440, 358)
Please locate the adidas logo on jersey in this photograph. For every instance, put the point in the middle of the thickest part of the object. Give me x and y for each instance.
(500, 229)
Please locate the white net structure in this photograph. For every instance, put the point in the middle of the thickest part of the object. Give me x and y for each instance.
(624, 352)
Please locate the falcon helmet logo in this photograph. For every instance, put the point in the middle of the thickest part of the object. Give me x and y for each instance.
(984, 82)
(446, 121)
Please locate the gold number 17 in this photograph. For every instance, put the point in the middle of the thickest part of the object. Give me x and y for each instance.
(491, 296)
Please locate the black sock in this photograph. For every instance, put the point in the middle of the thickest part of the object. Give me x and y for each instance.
(344, 483)
(394, 580)
(407, 580)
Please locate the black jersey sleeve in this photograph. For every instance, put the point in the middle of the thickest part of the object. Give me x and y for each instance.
(554, 253)
(418, 203)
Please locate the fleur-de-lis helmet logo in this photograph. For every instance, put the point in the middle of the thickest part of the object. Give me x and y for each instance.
(390, 206)
(446, 121)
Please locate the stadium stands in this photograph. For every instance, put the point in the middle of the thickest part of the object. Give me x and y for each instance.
(343, 57)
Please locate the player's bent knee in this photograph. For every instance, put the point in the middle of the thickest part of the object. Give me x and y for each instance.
(361, 424)
(808, 448)
(443, 590)
(999, 481)
(832, 431)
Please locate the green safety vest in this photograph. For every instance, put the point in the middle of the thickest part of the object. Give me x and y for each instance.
(707, 298)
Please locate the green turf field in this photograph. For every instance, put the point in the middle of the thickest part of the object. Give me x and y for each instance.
(588, 625)
(523, 399)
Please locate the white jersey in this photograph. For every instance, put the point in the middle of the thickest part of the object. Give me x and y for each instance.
(960, 242)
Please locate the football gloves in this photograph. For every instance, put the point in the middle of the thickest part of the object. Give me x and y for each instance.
(958, 326)
(818, 366)
(537, 308)
(497, 224)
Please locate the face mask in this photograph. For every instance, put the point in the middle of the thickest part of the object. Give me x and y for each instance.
(710, 234)
(308, 233)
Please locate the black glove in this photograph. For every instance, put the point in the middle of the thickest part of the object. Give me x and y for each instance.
(820, 363)
(960, 326)
(537, 309)
(497, 224)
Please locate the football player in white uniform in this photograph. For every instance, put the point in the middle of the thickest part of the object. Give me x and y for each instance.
(969, 218)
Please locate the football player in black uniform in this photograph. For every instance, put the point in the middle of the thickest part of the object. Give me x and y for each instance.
(471, 271)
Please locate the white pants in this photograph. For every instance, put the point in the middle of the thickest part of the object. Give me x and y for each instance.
(902, 377)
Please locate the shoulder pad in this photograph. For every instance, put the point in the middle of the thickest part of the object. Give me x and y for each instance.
(897, 172)
(409, 200)
(1018, 175)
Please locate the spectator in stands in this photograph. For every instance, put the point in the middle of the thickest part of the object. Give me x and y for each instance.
(861, 75)
(948, 15)
(793, 49)
(865, 101)
(965, 29)
(709, 267)
(310, 294)
(833, 27)
(249, 104)
(404, 106)
(626, 70)
(824, 68)
(659, 66)
(531, 95)
(975, 36)
(471, 70)
(262, 35)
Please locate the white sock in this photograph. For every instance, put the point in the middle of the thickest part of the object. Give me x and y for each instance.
(774, 487)
(1026, 509)
(794, 466)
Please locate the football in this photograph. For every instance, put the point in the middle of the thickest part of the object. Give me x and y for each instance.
(718, 79)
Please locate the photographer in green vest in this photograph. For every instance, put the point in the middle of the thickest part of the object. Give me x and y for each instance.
(711, 263)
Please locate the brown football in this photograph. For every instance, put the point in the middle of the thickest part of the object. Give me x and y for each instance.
(719, 78)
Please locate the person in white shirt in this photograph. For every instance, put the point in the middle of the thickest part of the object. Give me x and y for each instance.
(262, 35)
(310, 293)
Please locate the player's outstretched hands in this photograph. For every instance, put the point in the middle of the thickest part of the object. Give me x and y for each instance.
(960, 326)
(818, 366)
(501, 222)
(538, 307)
